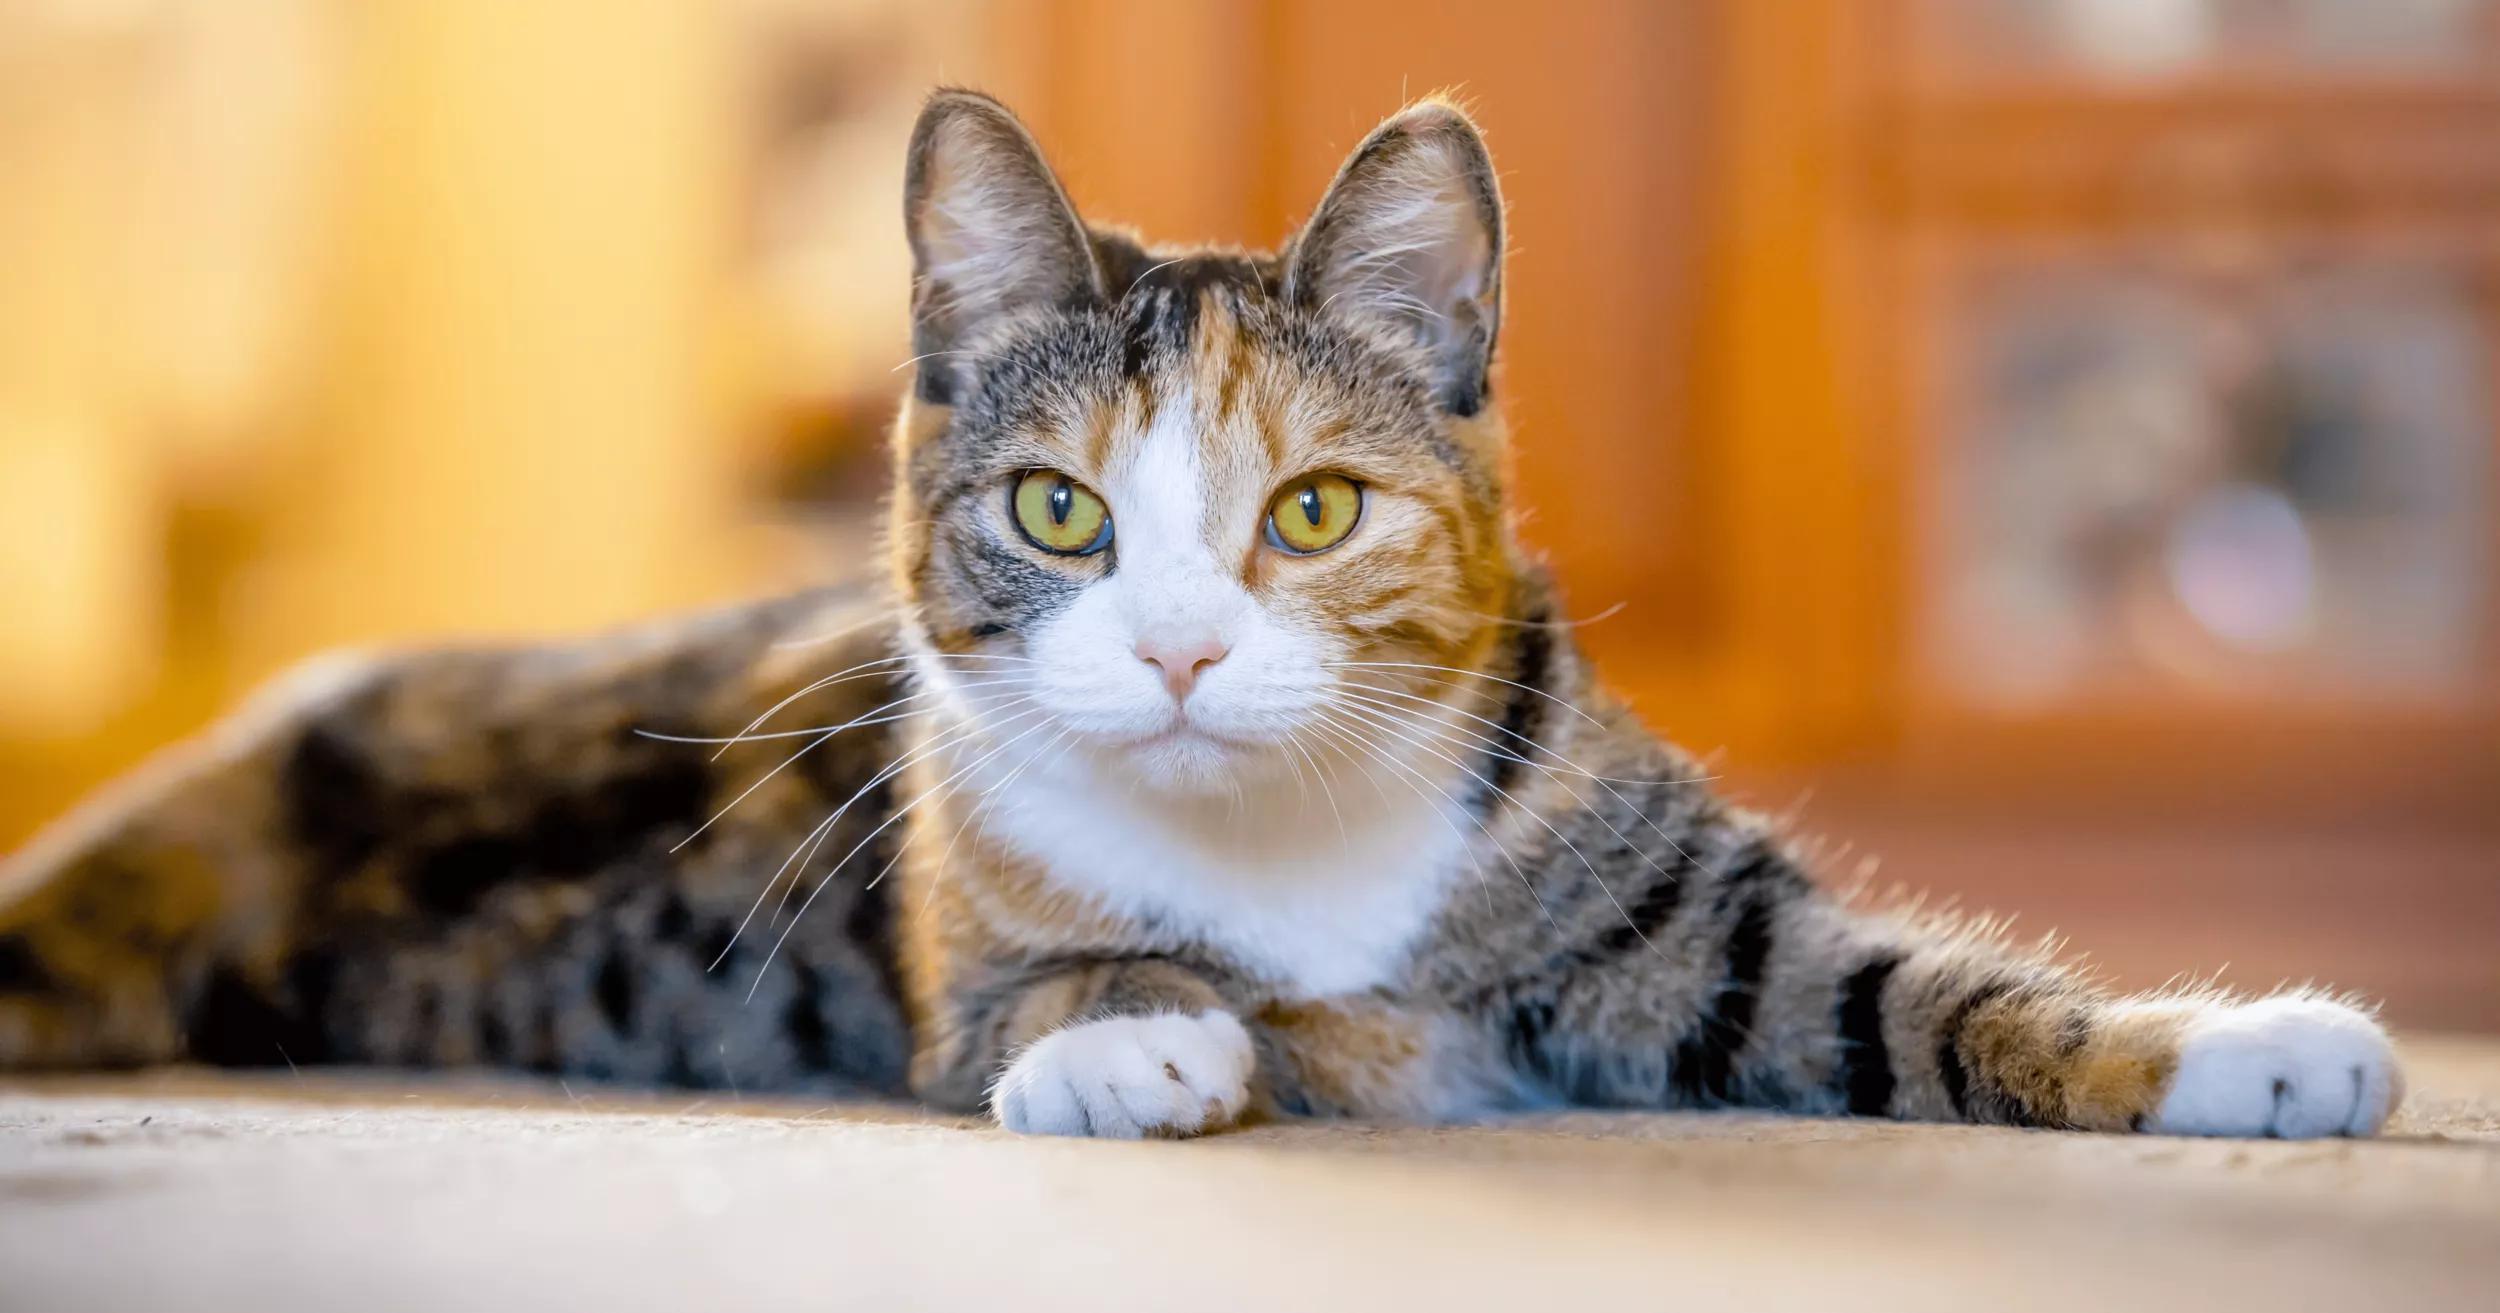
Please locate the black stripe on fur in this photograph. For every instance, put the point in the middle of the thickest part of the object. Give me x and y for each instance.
(1865, 1063)
(1703, 1067)
(1949, 1067)
(1531, 663)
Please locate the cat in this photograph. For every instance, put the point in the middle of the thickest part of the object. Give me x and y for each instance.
(1210, 750)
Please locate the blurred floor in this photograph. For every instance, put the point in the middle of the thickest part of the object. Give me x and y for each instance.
(183, 1192)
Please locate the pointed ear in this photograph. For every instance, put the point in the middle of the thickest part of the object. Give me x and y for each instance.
(1410, 236)
(991, 229)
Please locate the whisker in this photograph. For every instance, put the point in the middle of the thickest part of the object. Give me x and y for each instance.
(1389, 726)
(1150, 271)
(1301, 785)
(1451, 734)
(998, 719)
(1295, 745)
(1602, 781)
(870, 621)
(1476, 857)
(1061, 741)
(1532, 744)
(1471, 674)
(909, 834)
(765, 778)
(805, 850)
(882, 826)
(980, 802)
(1515, 623)
(981, 807)
(864, 670)
(930, 355)
(1374, 781)
(800, 854)
(858, 722)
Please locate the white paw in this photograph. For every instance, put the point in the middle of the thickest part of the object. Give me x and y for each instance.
(1129, 1077)
(2292, 1067)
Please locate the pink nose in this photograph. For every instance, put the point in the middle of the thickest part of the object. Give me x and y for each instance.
(1181, 661)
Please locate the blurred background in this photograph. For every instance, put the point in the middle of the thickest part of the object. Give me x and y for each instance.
(2048, 444)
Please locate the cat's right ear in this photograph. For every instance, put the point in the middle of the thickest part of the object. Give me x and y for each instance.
(991, 230)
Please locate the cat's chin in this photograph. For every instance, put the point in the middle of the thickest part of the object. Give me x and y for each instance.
(1186, 761)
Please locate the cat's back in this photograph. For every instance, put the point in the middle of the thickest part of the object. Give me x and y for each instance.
(574, 856)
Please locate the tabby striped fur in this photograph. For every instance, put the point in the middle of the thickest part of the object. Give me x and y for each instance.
(1398, 856)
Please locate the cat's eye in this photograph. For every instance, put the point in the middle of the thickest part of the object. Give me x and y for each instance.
(1314, 514)
(1059, 514)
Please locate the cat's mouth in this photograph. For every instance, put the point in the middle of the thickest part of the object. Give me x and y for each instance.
(1183, 755)
(1183, 733)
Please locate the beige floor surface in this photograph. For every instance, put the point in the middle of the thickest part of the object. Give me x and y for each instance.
(328, 1192)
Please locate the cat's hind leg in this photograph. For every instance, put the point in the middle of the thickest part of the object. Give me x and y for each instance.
(123, 924)
(511, 857)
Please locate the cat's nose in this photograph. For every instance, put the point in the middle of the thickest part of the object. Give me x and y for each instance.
(1181, 660)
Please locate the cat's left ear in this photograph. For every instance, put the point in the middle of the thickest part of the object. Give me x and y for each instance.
(1409, 237)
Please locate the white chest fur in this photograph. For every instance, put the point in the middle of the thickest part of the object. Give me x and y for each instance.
(1312, 908)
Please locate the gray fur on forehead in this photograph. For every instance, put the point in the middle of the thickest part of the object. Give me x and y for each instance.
(1035, 369)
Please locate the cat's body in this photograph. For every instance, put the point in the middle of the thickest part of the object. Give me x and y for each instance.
(1211, 749)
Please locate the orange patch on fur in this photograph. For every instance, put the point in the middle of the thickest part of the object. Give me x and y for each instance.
(1355, 1055)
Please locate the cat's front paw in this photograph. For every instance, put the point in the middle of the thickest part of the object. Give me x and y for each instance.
(1129, 1077)
(2293, 1067)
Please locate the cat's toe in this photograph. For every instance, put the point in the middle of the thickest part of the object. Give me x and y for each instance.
(2294, 1067)
(1129, 1077)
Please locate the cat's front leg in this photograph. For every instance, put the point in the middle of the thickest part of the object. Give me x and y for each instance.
(1117, 1049)
(2292, 1066)
(1126, 1078)
(1973, 1032)
(1776, 995)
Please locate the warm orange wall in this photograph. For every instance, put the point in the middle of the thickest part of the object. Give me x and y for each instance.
(331, 322)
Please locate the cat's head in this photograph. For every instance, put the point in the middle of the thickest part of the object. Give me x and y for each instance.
(1158, 502)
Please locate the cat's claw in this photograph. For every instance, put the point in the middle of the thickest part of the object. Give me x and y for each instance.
(1129, 1077)
(2294, 1067)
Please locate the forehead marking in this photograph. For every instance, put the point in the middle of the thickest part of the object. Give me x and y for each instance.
(1226, 352)
(1227, 355)
(1102, 421)
(1161, 493)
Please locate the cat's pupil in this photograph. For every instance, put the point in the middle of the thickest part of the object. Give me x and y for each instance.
(1063, 500)
(1311, 507)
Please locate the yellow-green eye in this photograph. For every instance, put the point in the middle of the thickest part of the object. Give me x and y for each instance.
(1059, 514)
(1314, 514)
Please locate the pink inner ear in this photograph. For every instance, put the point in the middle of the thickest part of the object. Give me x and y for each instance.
(992, 228)
(982, 228)
(1407, 240)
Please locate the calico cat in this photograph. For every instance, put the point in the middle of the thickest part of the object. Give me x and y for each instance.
(1211, 750)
